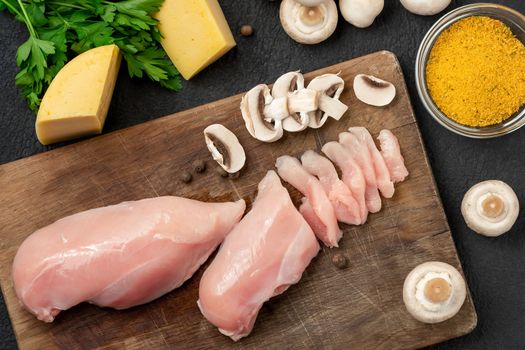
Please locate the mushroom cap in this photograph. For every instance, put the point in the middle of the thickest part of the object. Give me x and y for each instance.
(490, 208)
(287, 83)
(434, 292)
(361, 13)
(425, 7)
(225, 148)
(330, 87)
(308, 25)
(374, 91)
(253, 108)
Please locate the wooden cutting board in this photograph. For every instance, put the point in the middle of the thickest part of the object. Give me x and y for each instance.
(360, 307)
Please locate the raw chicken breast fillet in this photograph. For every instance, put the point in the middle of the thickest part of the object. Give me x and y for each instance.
(361, 155)
(119, 256)
(392, 154)
(263, 255)
(345, 206)
(352, 174)
(324, 223)
(384, 184)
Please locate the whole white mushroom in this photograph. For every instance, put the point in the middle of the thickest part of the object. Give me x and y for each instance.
(425, 7)
(490, 208)
(308, 21)
(434, 292)
(361, 13)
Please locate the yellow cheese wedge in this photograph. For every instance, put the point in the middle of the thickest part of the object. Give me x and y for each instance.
(77, 100)
(195, 34)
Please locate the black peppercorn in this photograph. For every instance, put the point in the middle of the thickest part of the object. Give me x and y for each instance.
(185, 177)
(246, 30)
(199, 166)
(340, 261)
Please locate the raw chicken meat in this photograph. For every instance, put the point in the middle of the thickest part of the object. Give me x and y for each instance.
(263, 255)
(291, 171)
(392, 154)
(384, 184)
(352, 174)
(119, 256)
(362, 156)
(345, 206)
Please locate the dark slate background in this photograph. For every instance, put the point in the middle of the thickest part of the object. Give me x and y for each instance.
(493, 267)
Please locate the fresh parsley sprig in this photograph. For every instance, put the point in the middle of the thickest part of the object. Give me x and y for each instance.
(60, 29)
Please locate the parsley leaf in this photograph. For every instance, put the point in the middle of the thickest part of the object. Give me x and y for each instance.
(59, 29)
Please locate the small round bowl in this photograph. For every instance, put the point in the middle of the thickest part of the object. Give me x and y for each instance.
(513, 19)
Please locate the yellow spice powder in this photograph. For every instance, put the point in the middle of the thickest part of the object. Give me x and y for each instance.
(476, 72)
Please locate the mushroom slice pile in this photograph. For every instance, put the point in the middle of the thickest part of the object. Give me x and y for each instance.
(284, 86)
(225, 148)
(311, 23)
(254, 106)
(374, 91)
(490, 208)
(434, 292)
(330, 87)
(361, 13)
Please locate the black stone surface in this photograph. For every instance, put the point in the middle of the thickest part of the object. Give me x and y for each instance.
(493, 267)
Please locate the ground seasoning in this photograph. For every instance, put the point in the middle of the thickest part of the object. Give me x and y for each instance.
(476, 72)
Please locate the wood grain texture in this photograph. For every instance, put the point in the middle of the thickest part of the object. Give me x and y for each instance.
(359, 307)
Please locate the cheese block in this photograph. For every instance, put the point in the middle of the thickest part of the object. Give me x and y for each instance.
(77, 100)
(195, 34)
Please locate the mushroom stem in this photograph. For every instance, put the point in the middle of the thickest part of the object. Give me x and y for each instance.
(492, 205)
(332, 107)
(304, 100)
(277, 109)
(437, 290)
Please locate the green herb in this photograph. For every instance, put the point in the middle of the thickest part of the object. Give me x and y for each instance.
(60, 29)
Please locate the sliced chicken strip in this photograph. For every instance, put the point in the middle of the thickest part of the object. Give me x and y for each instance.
(262, 256)
(291, 171)
(391, 152)
(352, 174)
(362, 156)
(384, 184)
(310, 216)
(345, 205)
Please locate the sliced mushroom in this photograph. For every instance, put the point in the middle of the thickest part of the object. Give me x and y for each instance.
(301, 101)
(490, 208)
(361, 13)
(308, 24)
(330, 88)
(434, 292)
(425, 7)
(254, 105)
(374, 91)
(225, 148)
